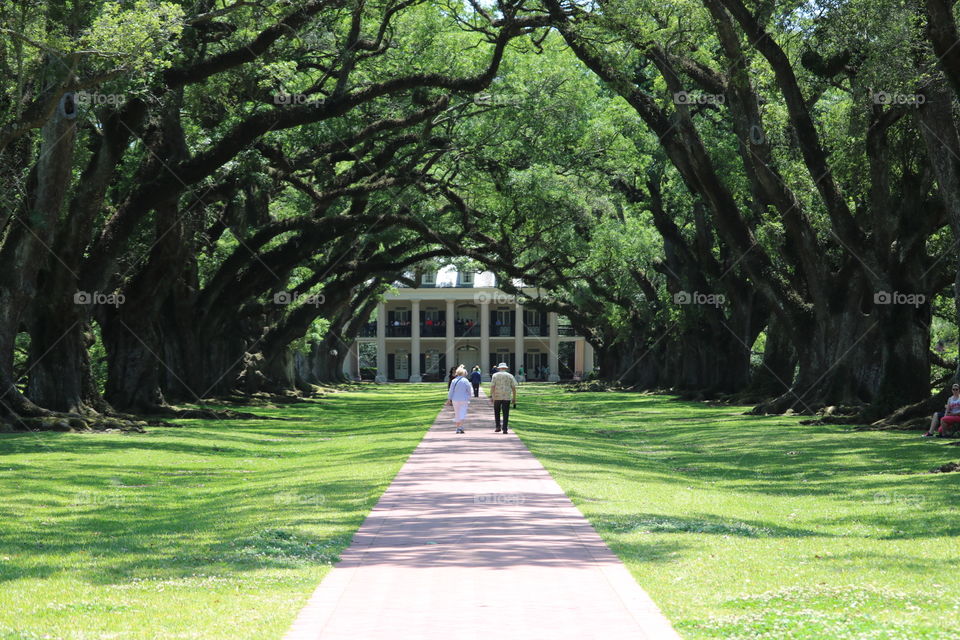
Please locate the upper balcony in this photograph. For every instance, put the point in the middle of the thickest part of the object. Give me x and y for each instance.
(399, 330)
(466, 329)
(433, 329)
(501, 330)
(535, 330)
(566, 330)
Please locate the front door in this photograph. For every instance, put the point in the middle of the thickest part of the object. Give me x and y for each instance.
(534, 363)
(469, 357)
(401, 365)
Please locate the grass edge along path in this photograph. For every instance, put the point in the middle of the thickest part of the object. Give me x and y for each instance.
(215, 529)
(759, 527)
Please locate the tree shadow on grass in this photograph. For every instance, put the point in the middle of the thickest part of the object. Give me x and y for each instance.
(895, 562)
(757, 451)
(621, 523)
(239, 529)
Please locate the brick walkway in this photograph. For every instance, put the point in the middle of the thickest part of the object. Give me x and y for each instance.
(474, 539)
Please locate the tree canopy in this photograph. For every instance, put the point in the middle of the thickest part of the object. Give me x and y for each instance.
(727, 198)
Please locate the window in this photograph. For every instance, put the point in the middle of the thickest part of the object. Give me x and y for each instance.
(429, 277)
(531, 321)
(466, 278)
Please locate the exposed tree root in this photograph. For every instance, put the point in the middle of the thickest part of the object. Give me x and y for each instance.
(950, 467)
(205, 413)
(65, 422)
(157, 415)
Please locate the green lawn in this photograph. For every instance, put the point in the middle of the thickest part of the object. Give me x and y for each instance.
(218, 529)
(745, 527)
(739, 527)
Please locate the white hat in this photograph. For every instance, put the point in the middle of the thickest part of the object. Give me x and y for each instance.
(503, 365)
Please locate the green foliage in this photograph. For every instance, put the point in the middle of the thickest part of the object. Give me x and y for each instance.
(141, 37)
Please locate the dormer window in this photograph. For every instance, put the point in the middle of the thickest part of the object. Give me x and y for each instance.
(466, 278)
(429, 278)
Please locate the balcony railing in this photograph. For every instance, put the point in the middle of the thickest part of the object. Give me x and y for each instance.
(536, 330)
(463, 331)
(433, 330)
(467, 330)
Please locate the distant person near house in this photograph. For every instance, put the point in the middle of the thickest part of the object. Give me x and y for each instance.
(453, 374)
(475, 378)
(503, 389)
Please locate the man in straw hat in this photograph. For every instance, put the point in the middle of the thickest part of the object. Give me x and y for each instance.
(503, 389)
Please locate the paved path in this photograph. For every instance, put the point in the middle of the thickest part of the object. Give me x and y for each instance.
(474, 539)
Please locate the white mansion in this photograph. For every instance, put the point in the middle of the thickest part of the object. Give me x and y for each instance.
(455, 318)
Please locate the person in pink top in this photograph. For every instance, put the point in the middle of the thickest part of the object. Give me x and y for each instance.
(948, 418)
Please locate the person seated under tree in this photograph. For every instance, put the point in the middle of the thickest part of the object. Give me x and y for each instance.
(949, 418)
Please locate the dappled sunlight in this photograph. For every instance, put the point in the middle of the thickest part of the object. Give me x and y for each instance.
(747, 505)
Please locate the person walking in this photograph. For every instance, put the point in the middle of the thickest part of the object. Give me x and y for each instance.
(451, 377)
(475, 378)
(459, 397)
(503, 388)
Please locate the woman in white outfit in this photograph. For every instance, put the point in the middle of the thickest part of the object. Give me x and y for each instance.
(459, 396)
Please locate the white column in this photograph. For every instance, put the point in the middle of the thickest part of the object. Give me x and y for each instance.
(349, 359)
(587, 357)
(451, 353)
(518, 339)
(553, 360)
(381, 343)
(356, 359)
(415, 341)
(578, 358)
(485, 339)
